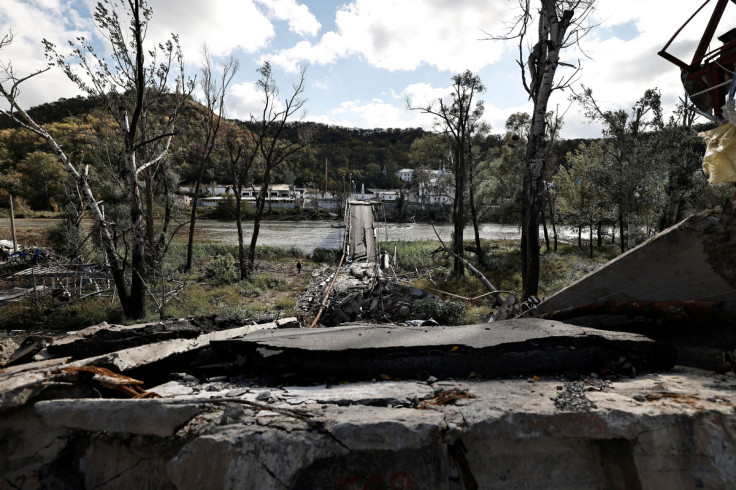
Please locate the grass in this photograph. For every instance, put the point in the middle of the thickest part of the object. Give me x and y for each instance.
(213, 286)
(502, 268)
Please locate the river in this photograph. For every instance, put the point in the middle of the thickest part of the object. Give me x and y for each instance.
(306, 235)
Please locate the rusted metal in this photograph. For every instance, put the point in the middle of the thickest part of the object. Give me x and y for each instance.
(708, 70)
(447, 397)
(106, 378)
(652, 309)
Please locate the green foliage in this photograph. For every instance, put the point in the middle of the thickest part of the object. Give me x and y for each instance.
(270, 253)
(222, 269)
(49, 314)
(67, 240)
(444, 312)
(325, 255)
(412, 255)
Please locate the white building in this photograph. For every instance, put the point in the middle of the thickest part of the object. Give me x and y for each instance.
(406, 175)
(436, 187)
(279, 196)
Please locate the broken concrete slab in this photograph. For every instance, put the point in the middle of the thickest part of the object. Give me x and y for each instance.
(105, 338)
(499, 348)
(693, 260)
(668, 430)
(18, 386)
(151, 417)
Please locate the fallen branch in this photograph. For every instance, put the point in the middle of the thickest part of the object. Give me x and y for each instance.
(491, 288)
(470, 299)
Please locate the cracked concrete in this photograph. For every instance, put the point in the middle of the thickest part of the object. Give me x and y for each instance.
(666, 430)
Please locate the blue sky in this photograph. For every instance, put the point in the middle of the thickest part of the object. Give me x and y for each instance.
(366, 57)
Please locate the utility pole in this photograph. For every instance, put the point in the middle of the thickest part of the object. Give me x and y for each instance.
(12, 224)
(323, 195)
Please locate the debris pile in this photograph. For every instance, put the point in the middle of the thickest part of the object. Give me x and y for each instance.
(361, 292)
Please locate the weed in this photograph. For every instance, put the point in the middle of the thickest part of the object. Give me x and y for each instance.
(445, 312)
(222, 270)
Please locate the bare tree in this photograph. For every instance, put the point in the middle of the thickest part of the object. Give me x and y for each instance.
(560, 25)
(272, 148)
(242, 149)
(458, 120)
(127, 87)
(214, 87)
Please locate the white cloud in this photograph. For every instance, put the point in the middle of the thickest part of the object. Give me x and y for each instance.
(404, 34)
(423, 94)
(621, 70)
(375, 113)
(223, 25)
(26, 51)
(300, 19)
(245, 100)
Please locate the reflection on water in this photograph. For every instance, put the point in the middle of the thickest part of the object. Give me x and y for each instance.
(306, 235)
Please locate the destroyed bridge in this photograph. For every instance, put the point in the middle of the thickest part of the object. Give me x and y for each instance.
(624, 379)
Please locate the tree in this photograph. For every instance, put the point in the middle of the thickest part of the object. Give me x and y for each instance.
(560, 25)
(477, 166)
(242, 150)
(633, 151)
(272, 148)
(579, 187)
(127, 87)
(214, 88)
(682, 158)
(457, 119)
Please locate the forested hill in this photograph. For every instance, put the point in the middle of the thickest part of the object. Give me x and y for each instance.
(56, 111)
(368, 156)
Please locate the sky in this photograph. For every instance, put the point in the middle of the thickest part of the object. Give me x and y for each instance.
(366, 58)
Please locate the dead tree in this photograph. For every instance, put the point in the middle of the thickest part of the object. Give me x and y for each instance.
(125, 85)
(273, 149)
(214, 88)
(560, 25)
(458, 119)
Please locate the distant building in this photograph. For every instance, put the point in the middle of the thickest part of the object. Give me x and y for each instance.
(406, 175)
(279, 195)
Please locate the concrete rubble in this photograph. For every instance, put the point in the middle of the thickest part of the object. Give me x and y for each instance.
(362, 292)
(610, 387)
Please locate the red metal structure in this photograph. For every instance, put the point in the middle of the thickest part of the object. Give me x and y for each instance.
(709, 75)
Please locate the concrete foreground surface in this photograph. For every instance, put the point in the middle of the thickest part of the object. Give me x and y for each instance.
(669, 430)
(526, 403)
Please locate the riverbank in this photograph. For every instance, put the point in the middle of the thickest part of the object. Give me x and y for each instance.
(212, 288)
(306, 235)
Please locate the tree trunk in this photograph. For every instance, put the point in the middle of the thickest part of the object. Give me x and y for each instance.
(544, 227)
(242, 264)
(552, 31)
(136, 307)
(600, 234)
(580, 235)
(260, 205)
(590, 246)
(458, 209)
(631, 224)
(621, 233)
(193, 221)
(476, 226)
(150, 239)
(552, 220)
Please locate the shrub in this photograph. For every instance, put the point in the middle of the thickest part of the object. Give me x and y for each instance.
(222, 269)
(66, 239)
(325, 255)
(444, 312)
